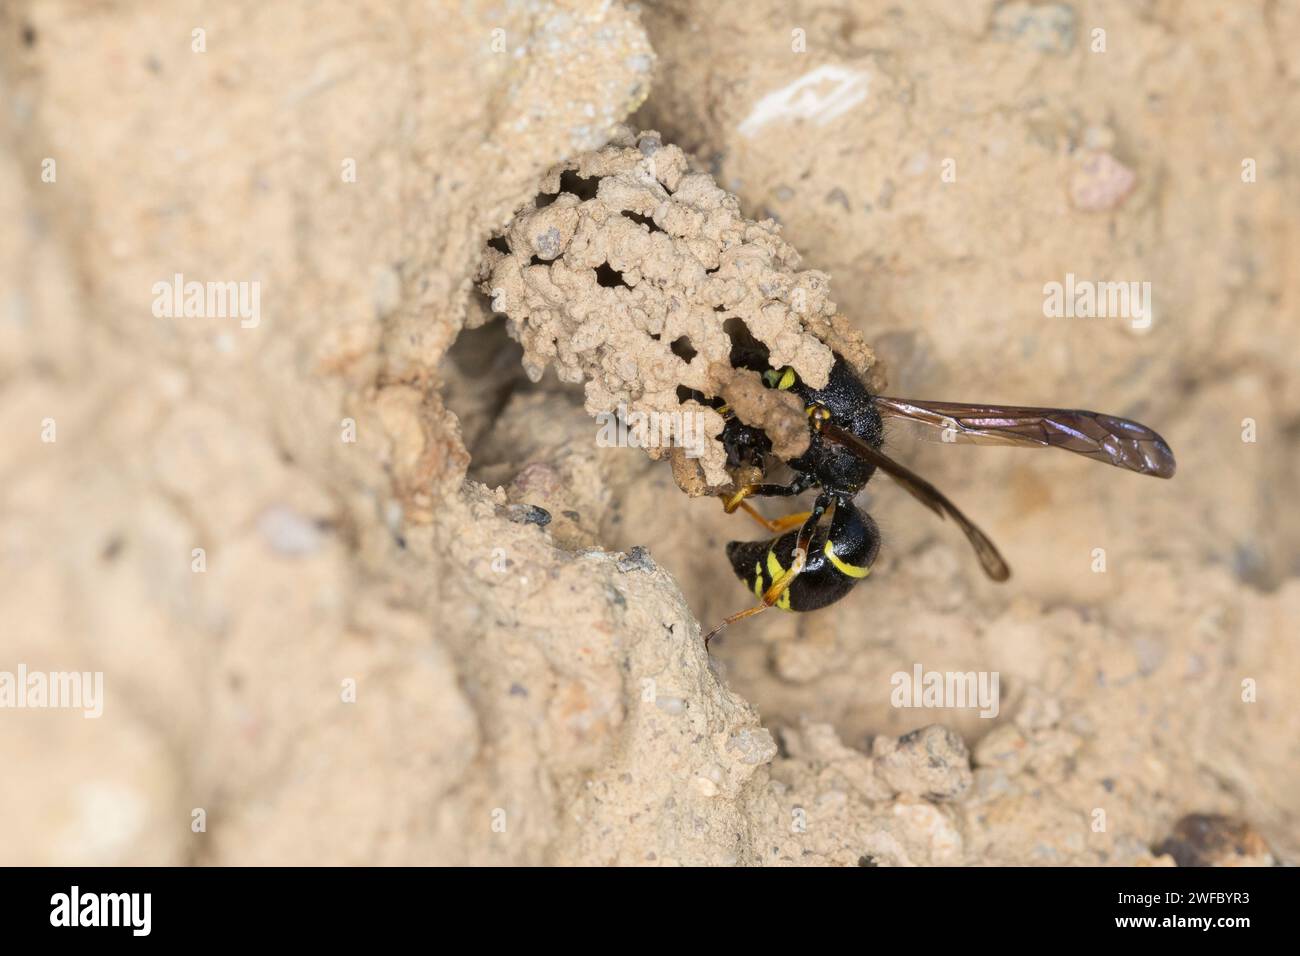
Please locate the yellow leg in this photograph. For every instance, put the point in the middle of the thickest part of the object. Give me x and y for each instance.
(731, 502)
(770, 596)
(737, 500)
(775, 525)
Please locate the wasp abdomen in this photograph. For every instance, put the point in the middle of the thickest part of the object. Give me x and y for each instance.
(839, 557)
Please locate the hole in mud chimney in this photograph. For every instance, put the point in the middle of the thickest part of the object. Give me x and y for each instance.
(737, 331)
(743, 343)
(582, 187)
(608, 277)
(643, 220)
(570, 182)
(499, 244)
(683, 349)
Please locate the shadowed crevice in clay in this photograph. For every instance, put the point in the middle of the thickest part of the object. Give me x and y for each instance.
(683, 349)
(607, 277)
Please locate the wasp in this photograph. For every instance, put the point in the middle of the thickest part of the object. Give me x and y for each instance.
(819, 555)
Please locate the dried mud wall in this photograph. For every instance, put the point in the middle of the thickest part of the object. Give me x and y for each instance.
(304, 553)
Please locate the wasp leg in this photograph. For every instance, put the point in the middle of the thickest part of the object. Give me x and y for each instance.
(733, 501)
(775, 525)
(782, 584)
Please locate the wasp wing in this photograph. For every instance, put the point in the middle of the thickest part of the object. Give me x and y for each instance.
(1106, 438)
(993, 563)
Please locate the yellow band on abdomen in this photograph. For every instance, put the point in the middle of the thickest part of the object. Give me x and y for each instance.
(850, 570)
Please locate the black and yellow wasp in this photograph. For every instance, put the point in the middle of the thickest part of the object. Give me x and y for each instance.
(813, 562)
